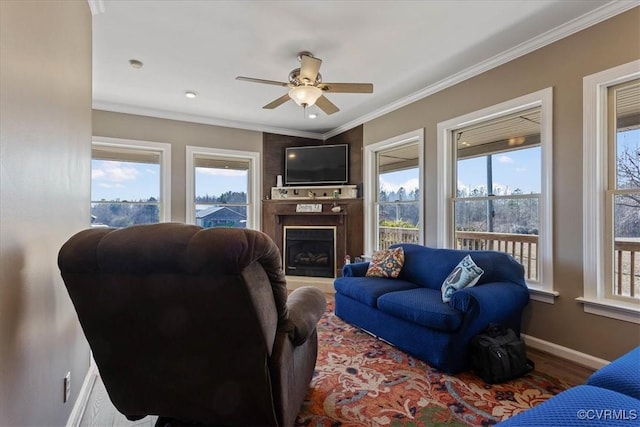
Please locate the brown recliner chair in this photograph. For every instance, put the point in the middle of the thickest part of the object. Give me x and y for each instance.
(192, 324)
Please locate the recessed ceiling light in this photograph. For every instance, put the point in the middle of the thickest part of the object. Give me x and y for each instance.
(135, 63)
(312, 115)
(190, 94)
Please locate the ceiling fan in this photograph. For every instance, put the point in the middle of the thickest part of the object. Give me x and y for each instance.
(306, 87)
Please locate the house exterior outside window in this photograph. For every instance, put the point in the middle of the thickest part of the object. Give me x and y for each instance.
(222, 188)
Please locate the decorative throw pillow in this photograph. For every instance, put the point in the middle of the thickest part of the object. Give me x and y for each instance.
(464, 275)
(387, 263)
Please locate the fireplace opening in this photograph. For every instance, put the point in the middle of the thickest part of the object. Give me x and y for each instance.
(310, 251)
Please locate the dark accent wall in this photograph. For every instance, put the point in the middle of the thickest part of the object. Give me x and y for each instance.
(273, 146)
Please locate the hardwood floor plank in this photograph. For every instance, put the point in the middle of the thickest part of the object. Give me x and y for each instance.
(562, 369)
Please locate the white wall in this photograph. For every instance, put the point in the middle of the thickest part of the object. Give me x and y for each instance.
(45, 135)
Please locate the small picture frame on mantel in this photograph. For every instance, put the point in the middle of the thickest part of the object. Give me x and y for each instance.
(309, 207)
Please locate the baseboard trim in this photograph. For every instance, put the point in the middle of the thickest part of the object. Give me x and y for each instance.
(83, 397)
(566, 353)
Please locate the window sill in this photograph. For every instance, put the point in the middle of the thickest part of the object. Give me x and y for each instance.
(619, 310)
(537, 293)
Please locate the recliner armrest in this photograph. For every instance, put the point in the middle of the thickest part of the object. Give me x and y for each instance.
(305, 306)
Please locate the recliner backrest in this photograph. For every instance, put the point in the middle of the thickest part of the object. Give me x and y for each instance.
(181, 320)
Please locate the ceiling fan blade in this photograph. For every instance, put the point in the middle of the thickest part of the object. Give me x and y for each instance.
(327, 106)
(278, 102)
(267, 82)
(347, 87)
(309, 67)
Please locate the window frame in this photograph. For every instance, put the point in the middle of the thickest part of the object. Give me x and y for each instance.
(370, 172)
(595, 192)
(543, 289)
(254, 205)
(164, 151)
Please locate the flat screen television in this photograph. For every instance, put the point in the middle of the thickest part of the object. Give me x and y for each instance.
(317, 165)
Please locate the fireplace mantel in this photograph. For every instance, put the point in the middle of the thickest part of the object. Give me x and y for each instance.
(276, 214)
(340, 215)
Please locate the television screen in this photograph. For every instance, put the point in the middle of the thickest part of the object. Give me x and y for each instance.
(317, 164)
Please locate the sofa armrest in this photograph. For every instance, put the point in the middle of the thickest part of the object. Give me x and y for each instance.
(492, 301)
(357, 269)
(305, 306)
(621, 375)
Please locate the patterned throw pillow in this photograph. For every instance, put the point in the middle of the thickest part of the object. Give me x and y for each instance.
(464, 275)
(387, 263)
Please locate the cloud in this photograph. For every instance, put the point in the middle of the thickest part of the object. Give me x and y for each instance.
(505, 159)
(105, 185)
(114, 172)
(409, 185)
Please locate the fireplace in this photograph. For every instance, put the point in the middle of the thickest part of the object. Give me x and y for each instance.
(310, 251)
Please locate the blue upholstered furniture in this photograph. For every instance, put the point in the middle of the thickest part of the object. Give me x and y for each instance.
(611, 397)
(409, 313)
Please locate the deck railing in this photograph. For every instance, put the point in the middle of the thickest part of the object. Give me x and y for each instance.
(391, 235)
(626, 269)
(524, 248)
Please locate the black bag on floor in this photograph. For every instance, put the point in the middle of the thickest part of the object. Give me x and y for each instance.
(498, 355)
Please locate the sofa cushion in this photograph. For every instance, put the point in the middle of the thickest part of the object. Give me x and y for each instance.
(367, 289)
(464, 275)
(386, 263)
(422, 306)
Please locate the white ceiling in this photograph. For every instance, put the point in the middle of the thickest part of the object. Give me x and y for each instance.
(407, 49)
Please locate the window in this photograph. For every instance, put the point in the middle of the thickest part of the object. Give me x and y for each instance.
(394, 211)
(495, 166)
(129, 183)
(497, 177)
(222, 188)
(612, 193)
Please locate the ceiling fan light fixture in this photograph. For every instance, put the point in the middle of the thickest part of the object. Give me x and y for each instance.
(305, 96)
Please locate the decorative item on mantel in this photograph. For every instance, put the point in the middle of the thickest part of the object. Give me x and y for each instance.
(335, 208)
(325, 192)
(303, 207)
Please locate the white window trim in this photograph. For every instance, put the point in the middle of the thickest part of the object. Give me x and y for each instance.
(165, 166)
(594, 178)
(254, 206)
(540, 291)
(369, 172)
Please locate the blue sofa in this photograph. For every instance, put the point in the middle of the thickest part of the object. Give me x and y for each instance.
(611, 397)
(408, 311)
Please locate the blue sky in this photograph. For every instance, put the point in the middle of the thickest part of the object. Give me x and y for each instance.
(112, 180)
(139, 181)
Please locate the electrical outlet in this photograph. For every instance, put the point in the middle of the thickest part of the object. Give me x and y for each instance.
(67, 387)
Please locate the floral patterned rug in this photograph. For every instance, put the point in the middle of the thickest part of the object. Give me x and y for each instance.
(361, 381)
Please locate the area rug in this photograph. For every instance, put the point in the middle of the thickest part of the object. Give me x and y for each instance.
(362, 381)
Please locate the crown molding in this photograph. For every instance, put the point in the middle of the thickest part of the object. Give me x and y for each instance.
(192, 118)
(96, 7)
(587, 20)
